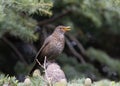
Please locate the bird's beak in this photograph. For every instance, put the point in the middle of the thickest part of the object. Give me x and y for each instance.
(67, 28)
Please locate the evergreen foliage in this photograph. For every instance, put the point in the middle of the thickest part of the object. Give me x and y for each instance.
(96, 20)
(5, 80)
(15, 17)
(38, 81)
(101, 12)
(103, 58)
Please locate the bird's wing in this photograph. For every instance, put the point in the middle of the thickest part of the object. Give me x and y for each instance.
(35, 63)
(43, 46)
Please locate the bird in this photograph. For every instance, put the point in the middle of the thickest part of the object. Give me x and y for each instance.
(52, 46)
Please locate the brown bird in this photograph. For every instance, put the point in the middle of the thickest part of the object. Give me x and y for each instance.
(52, 46)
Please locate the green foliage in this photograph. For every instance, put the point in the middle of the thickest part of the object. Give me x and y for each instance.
(15, 17)
(34, 81)
(102, 12)
(80, 82)
(87, 16)
(103, 58)
(76, 82)
(29, 6)
(8, 80)
(97, 13)
(106, 83)
(39, 81)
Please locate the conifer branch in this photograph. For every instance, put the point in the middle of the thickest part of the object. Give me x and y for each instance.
(47, 21)
(74, 52)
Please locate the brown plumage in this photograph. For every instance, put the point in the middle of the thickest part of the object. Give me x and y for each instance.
(52, 46)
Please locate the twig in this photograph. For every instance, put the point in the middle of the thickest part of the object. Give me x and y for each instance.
(49, 80)
(54, 18)
(75, 52)
(44, 67)
(45, 60)
(39, 63)
(15, 50)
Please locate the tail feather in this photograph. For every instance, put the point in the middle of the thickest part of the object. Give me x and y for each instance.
(34, 67)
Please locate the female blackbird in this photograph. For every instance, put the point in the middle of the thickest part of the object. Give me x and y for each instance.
(52, 46)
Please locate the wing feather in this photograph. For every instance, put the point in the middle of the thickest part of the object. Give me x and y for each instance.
(43, 46)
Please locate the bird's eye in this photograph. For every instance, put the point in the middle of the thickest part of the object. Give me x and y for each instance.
(60, 28)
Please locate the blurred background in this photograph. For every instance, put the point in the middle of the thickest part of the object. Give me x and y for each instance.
(92, 47)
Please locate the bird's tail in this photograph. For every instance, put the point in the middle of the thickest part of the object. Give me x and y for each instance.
(36, 66)
(33, 68)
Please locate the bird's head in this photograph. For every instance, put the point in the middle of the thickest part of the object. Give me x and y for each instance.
(62, 29)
